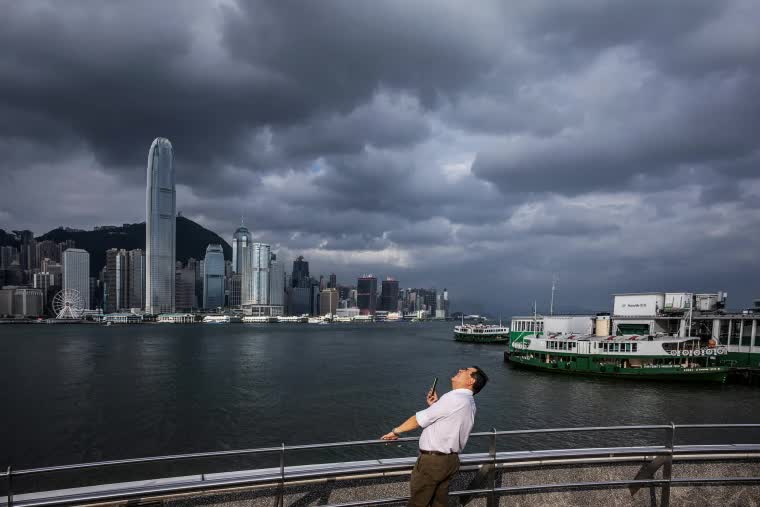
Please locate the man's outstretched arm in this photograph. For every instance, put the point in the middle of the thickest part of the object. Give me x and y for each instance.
(408, 425)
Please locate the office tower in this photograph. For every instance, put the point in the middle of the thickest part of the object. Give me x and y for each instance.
(314, 310)
(234, 282)
(184, 290)
(299, 300)
(366, 294)
(256, 281)
(8, 254)
(76, 273)
(322, 283)
(117, 280)
(328, 301)
(213, 277)
(300, 276)
(241, 242)
(276, 282)
(27, 250)
(430, 298)
(333, 283)
(136, 280)
(389, 295)
(160, 228)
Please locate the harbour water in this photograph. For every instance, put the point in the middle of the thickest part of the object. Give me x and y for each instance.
(86, 392)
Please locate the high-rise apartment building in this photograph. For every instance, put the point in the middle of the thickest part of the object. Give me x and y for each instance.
(8, 254)
(47, 250)
(213, 277)
(45, 282)
(160, 228)
(136, 279)
(389, 295)
(76, 273)
(366, 294)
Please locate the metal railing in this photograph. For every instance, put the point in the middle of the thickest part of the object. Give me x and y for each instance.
(484, 461)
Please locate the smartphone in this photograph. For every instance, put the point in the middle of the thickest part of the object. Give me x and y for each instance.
(435, 383)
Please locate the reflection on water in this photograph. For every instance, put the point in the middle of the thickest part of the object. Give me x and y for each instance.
(81, 393)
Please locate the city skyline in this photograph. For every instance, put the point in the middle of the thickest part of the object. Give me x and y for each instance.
(495, 148)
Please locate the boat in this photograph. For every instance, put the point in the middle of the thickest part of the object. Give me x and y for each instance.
(221, 319)
(481, 333)
(650, 357)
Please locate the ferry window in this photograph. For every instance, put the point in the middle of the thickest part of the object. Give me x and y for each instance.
(627, 347)
(733, 332)
(746, 332)
(615, 347)
(635, 347)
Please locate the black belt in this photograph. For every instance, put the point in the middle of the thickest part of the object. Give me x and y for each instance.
(437, 453)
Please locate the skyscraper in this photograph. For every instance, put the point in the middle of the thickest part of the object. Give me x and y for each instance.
(213, 277)
(136, 279)
(256, 283)
(117, 280)
(76, 273)
(241, 243)
(276, 282)
(300, 276)
(366, 294)
(328, 301)
(160, 228)
(389, 295)
(333, 283)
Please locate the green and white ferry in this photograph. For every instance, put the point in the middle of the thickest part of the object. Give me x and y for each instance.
(481, 333)
(629, 356)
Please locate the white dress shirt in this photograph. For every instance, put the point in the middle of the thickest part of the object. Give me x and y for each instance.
(447, 422)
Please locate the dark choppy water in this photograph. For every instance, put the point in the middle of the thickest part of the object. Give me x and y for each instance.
(82, 393)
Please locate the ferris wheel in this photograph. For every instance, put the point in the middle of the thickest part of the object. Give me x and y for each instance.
(68, 304)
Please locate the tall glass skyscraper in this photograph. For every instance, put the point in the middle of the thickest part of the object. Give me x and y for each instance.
(241, 243)
(256, 284)
(160, 228)
(213, 277)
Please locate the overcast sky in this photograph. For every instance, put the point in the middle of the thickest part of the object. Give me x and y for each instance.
(479, 146)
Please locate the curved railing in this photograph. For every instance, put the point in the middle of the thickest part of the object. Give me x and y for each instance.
(486, 462)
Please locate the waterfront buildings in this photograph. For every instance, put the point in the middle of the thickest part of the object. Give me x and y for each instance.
(328, 302)
(389, 295)
(256, 280)
(213, 277)
(366, 294)
(76, 273)
(160, 228)
(27, 302)
(46, 282)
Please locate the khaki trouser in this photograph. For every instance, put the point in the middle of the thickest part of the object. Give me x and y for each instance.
(429, 484)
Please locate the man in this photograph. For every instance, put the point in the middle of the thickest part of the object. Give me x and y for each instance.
(447, 424)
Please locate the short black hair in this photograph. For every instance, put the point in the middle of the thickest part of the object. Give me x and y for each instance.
(481, 379)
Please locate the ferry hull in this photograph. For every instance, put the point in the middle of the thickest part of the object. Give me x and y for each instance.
(473, 338)
(700, 374)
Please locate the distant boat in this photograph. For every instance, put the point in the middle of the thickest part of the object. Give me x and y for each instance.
(481, 333)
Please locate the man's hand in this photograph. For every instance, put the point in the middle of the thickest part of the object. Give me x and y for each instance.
(389, 436)
(432, 397)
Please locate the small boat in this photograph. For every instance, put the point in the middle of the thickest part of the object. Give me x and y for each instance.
(650, 357)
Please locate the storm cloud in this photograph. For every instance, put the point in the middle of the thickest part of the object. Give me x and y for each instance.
(480, 147)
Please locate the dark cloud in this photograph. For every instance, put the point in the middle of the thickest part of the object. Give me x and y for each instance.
(479, 147)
